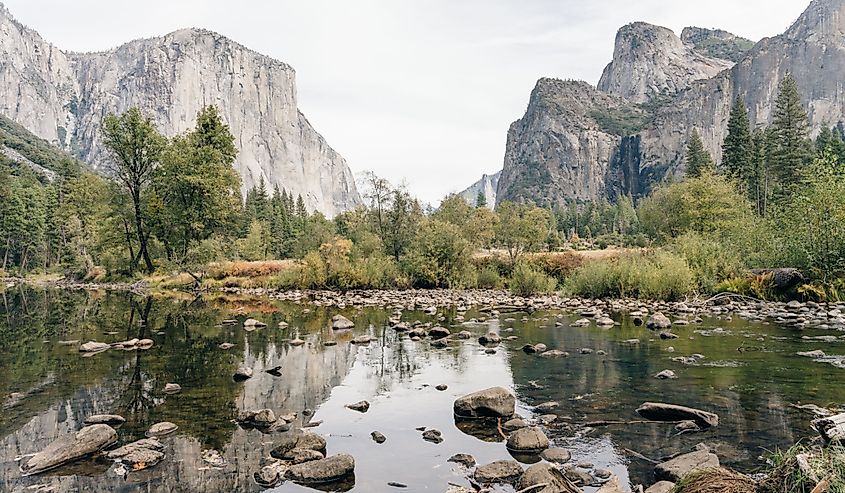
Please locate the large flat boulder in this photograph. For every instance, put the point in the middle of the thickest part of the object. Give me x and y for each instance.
(661, 487)
(139, 455)
(322, 471)
(675, 469)
(656, 411)
(500, 471)
(88, 440)
(495, 402)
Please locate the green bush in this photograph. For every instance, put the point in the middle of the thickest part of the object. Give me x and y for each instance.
(489, 278)
(709, 258)
(656, 275)
(439, 257)
(527, 280)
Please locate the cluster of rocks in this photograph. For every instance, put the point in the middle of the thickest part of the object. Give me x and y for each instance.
(92, 347)
(302, 458)
(95, 439)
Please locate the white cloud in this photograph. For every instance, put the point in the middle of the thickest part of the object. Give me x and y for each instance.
(423, 90)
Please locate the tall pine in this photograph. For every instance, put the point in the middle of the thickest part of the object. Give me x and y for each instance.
(737, 149)
(789, 142)
(698, 159)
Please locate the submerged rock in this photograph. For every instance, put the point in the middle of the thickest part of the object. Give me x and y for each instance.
(670, 412)
(490, 339)
(161, 429)
(495, 402)
(465, 460)
(258, 418)
(251, 322)
(433, 436)
(666, 375)
(308, 441)
(500, 471)
(556, 455)
(323, 470)
(69, 448)
(378, 437)
(94, 347)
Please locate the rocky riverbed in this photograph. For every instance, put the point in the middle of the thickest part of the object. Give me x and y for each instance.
(590, 395)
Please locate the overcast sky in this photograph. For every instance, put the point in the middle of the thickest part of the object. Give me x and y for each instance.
(421, 91)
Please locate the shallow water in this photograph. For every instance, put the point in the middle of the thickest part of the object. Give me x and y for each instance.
(750, 375)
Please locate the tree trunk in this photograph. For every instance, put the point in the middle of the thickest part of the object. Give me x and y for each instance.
(142, 239)
(132, 260)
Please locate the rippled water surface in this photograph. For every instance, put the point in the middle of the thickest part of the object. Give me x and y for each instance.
(750, 375)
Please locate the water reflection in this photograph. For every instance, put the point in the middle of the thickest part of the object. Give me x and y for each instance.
(53, 389)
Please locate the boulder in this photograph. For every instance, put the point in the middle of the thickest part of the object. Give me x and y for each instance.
(465, 460)
(675, 469)
(666, 375)
(258, 418)
(251, 322)
(549, 475)
(139, 455)
(242, 373)
(339, 322)
(658, 321)
(554, 353)
(309, 441)
(302, 455)
(271, 474)
(611, 486)
(378, 437)
(556, 455)
(495, 402)
(528, 440)
(514, 424)
(490, 339)
(172, 388)
(69, 448)
(438, 332)
(661, 487)
(322, 471)
(669, 412)
(361, 407)
(500, 471)
(105, 419)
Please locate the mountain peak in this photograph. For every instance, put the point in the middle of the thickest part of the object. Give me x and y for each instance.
(823, 18)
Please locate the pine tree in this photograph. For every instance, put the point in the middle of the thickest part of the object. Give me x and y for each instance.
(480, 199)
(789, 140)
(698, 160)
(737, 147)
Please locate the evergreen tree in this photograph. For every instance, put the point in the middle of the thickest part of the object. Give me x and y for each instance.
(698, 160)
(481, 199)
(789, 147)
(737, 148)
(760, 177)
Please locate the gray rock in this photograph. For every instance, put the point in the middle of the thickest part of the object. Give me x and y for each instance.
(94, 347)
(661, 487)
(322, 471)
(677, 468)
(339, 322)
(139, 455)
(161, 429)
(495, 402)
(556, 455)
(549, 475)
(69, 448)
(658, 321)
(288, 443)
(361, 407)
(554, 353)
(242, 373)
(433, 436)
(666, 375)
(258, 418)
(500, 471)
(378, 437)
(172, 388)
(514, 424)
(301, 455)
(105, 419)
(438, 332)
(490, 339)
(465, 460)
(528, 440)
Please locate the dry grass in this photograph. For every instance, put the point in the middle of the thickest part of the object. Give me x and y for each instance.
(801, 469)
(718, 480)
(237, 269)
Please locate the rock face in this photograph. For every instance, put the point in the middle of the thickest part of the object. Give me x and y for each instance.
(62, 97)
(70, 448)
(578, 143)
(487, 185)
(651, 60)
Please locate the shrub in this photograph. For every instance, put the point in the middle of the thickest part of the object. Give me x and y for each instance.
(489, 278)
(528, 280)
(439, 256)
(711, 260)
(657, 275)
(558, 265)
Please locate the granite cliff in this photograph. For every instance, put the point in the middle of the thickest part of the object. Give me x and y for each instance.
(62, 97)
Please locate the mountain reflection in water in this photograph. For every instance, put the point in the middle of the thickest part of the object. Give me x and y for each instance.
(51, 388)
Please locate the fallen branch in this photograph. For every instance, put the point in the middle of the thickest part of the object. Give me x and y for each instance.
(638, 455)
(499, 427)
(594, 424)
(539, 487)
